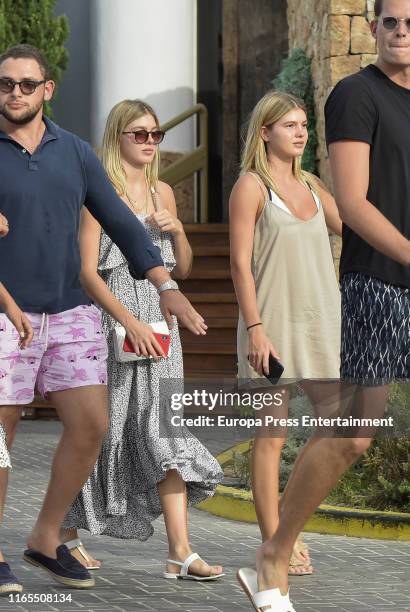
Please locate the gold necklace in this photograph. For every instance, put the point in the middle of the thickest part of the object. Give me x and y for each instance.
(138, 209)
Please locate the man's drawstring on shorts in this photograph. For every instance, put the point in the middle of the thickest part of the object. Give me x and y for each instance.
(44, 320)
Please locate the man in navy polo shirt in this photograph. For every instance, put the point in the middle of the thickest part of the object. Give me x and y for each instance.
(46, 175)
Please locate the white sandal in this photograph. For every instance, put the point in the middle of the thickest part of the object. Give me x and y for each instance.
(263, 601)
(183, 574)
(76, 545)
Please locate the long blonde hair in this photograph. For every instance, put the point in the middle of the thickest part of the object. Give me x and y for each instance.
(121, 115)
(270, 109)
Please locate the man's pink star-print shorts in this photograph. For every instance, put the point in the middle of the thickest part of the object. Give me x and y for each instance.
(68, 350)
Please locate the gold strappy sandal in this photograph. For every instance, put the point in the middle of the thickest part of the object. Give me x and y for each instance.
(76, 548)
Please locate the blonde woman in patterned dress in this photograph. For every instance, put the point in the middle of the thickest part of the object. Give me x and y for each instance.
(22, 329)
(139, 474)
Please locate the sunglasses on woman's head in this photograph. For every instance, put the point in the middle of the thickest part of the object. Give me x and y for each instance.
(391, 23)
(141, 136)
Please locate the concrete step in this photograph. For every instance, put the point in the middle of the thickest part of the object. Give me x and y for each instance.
(210, 273)
(209, 348)
(207, 228)
(214, 336)
(205, 284)
(212, 264)
(210, 311)
(210, 373)
(211, 298)
(211, 251)
(207, 234)
(199, 361)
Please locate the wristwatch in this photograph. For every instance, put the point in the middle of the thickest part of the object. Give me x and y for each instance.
(171, 284)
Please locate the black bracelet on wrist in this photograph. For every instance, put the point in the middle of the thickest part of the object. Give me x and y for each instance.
(254, 325)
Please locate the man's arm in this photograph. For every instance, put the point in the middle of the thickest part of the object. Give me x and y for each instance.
(16, 316)
(349, 162)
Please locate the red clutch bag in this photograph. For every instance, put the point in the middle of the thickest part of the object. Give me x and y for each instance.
(123, 348)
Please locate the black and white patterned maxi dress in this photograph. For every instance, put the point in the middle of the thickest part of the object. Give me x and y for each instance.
(4, 453)
(120, 498)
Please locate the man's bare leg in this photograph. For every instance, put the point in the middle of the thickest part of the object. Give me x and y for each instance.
(84, 414)
(323, 464)
(9, 418)
(324, 398)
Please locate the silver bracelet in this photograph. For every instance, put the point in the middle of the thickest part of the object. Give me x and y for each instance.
(168, 285)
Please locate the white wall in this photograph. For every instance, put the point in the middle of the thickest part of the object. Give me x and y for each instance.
(71, 106)
(144, 49)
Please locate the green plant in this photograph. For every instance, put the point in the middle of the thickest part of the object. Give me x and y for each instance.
(289, 453)
(33, 22)
(240, 464)
(241, 467)
(398, 405)
(387, 466)
(380, 480)
(295, 78)
(2, 23)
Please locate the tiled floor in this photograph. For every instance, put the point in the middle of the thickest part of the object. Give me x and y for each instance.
(351, 574)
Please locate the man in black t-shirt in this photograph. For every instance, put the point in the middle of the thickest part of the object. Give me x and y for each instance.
(367, 127)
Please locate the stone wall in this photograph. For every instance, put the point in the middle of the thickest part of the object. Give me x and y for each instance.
(335, 35)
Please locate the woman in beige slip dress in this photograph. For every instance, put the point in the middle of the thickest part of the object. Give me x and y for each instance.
(285, 281)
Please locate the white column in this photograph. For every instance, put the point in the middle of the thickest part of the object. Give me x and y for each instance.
(144, 49)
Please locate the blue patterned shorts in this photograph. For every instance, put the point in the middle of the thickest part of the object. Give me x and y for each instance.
(375, 331)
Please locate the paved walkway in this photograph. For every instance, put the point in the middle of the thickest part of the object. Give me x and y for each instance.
(352, 575)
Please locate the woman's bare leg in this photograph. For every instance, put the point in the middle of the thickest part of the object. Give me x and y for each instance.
(265, 466)
(9, 418)
(173, 495)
